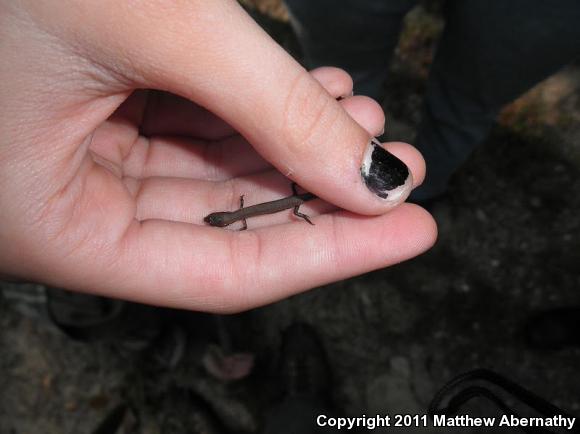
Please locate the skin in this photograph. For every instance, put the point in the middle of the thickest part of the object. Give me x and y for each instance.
(104, 185)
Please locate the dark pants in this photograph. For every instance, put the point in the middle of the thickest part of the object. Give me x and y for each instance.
(491, 52)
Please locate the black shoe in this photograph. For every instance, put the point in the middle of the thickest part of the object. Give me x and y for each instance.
(181, 413)
(91, 318)
(189, 414)
(554, 329)
(495, 388)
(305, 383)
(304, 368)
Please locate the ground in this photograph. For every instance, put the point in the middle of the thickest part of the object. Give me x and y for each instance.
(509, 244)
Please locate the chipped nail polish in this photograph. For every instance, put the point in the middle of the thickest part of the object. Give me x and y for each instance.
(384, 174)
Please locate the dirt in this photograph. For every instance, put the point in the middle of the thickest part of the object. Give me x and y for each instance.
(509, 245)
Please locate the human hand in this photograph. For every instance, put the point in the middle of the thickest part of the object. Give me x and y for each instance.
(104, 185)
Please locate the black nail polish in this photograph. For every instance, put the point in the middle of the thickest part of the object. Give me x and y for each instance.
(384, 174)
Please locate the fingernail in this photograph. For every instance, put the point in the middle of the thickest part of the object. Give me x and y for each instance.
(384, 174)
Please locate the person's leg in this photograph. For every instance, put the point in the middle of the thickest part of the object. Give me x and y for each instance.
(489, 54)
(356, 35)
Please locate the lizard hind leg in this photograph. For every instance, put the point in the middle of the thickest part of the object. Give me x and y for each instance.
(301, 215)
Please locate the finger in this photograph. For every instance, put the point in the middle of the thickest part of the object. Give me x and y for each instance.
(230, 271)
(366, 112)
(337, 82)
(231, 67)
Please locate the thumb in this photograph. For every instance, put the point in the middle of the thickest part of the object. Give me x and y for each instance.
(214, 54)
